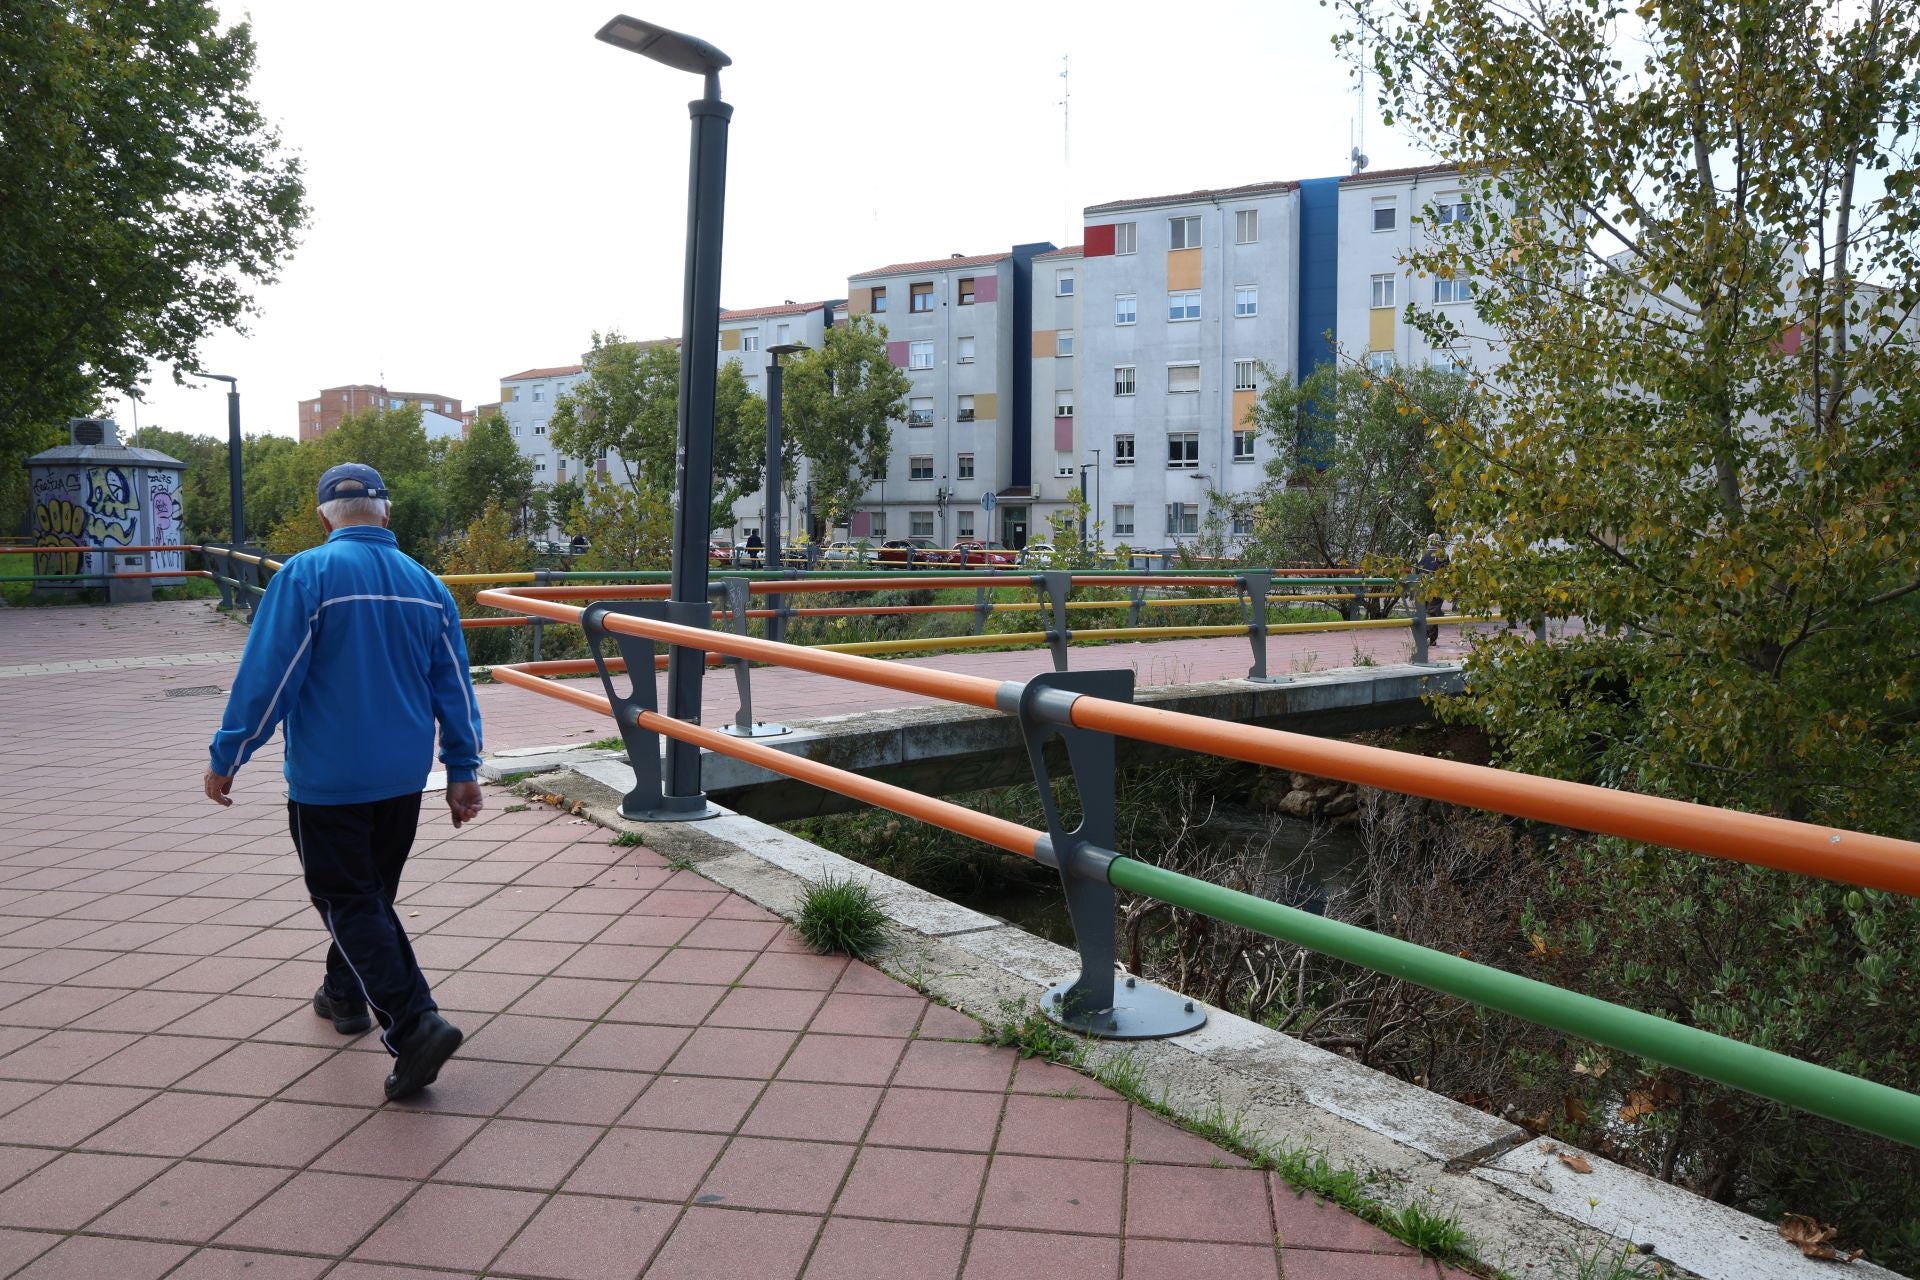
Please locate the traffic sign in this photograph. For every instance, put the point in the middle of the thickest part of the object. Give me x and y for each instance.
(988, 502)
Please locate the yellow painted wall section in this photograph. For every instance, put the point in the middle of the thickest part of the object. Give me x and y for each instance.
(859, 301)
(729, 339)
(1183, 268)
(1380, 329)
(506, 395)
(1043, 343)
(1243, 402)
(986, 406)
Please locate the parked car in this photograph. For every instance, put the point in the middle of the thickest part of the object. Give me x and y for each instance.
(913, 552)
(972, 551)
(1039, 555)
(848, 553)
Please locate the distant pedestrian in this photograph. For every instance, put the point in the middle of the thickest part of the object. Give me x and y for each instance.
(754, 545)
(1431, 563)
(358, 648)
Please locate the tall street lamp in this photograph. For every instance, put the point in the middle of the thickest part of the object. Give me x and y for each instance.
(699, 364)
(775, 446)
(1099, 529)
(233, 450)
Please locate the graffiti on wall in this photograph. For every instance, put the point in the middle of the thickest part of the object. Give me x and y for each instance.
(163, 501)
(113, 508)
(58, 520)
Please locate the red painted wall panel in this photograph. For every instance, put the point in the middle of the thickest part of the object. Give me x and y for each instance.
(986, 289)
(897, 354)
(1099, 242)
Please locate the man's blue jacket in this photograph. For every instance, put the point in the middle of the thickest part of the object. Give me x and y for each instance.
(358, 648)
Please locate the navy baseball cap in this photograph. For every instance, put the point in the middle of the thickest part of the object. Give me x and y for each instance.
(351, 480)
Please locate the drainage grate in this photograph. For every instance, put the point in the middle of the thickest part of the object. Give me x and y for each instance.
(196, 691)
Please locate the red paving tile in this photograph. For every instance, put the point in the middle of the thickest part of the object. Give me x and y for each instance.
(154, 972)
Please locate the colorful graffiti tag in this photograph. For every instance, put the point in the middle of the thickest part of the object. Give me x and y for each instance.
(88, 507)
(163, 501)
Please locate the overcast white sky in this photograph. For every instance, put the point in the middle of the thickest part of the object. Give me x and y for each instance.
(490, 185)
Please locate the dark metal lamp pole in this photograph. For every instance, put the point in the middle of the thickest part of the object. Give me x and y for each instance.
(233, 452)
(699, 363)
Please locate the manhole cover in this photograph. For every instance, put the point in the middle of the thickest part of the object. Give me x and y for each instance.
(196, 691)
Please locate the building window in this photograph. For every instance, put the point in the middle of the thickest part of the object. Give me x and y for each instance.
(1063, 404)
(1123, 380)
(539, 394)
(963, 291)
(965, 411)
(1063, 343)
(1246, 226)
(1063, 467)
(539, 465)
(879, 524)
(1382, 292)
(1182, 379)
(540, 427)
(1453, 208)
(919, 355)
(920, 297)
(1183, 450)
(1126, 308)
(879, 306)
(920, 524)
(920, 467)
(1242, 446)
(750, 340)
(1123, 237)
(1451, 360)
(1123, 519)
(1063, 284)
(1453, 290)
(1246, 300)
(1243, 375)
(964, 466)
(963, 353)
(783, 334)
(1380, 362)
(1386, 214)
(920, 411)
(516, 431)
(1184, 305)
(964, 522)
(1123, 450)
(1183, 517)
(1243, 524)
(1184, 233)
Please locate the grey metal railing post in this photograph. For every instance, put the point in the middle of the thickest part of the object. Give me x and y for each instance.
(1539, 629)
(646, 802)
(738, 592)
(1137, 611)
(1420, 657)
(982, 606)
(539, 626)
(1094, 1002)
(221, 567)
(1054, 585)
(1255, 586)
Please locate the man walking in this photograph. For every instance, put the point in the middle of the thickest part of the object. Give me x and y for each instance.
(1431, 563)
(358, 648)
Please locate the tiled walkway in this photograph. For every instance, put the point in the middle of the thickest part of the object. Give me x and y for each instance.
(658, 1080)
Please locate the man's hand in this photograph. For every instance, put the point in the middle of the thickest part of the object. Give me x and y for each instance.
(464, 801)
(217, 785)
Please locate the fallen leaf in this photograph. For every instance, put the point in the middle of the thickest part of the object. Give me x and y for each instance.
(1640, 1103)
(1576, 1110)
(1540, 1180)
(1576, 1163)
(1812, 1238)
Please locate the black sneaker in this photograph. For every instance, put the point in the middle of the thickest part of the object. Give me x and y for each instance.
(423, 1051)
(349, 1016)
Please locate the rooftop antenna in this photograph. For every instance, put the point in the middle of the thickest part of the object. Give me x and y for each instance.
(1066, 147)
(1357, 156)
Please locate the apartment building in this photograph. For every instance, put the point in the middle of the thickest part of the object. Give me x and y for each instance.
(526, 402)
(1384, 217)
(1181, 300)
(748, 335)
(962, 329)
(323, 413)
(1055, 436)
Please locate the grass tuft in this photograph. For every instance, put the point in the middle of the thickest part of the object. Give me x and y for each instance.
(615, 743)
(1027, 1032)
(627, 839)
(1607, 1263)
(842, 915)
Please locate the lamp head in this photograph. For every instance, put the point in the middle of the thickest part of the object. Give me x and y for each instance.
(667, 47)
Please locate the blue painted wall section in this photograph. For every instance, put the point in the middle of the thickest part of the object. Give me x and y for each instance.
(1020, 413)
(1319, 271)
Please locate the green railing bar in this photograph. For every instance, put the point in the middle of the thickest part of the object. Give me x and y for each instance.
(1863, 1104)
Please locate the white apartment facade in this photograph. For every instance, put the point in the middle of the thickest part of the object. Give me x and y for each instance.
(1181, 301)
(1055, 432)
(747, 337)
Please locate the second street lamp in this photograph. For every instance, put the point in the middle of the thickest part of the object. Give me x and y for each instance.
(775, 480)
(699, 363)
(233, 451)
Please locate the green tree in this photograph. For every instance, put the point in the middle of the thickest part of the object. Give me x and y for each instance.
(488, 545)
(1350, 483)
(484, 469)
(145, 196)
(1702, 250)
(629, 406)
(838, 406)
(392, 442)
(625, 527)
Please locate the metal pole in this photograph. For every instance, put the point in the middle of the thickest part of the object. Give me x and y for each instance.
(774, 478)
(234, 491)
(699, 363)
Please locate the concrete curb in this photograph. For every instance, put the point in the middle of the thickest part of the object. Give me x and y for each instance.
(1526, 1212)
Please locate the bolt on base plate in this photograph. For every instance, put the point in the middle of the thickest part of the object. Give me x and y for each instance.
(760, 729)
(1141, 1011)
